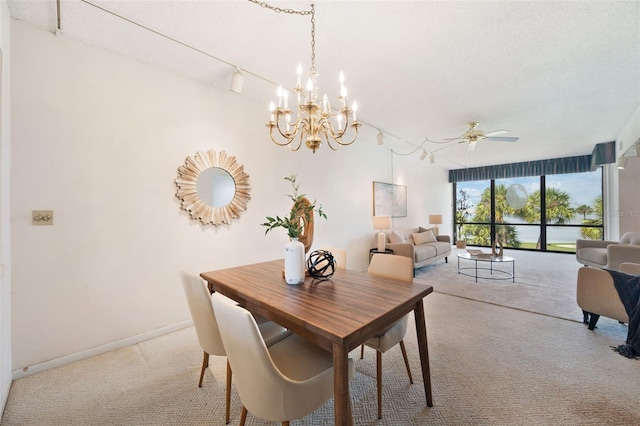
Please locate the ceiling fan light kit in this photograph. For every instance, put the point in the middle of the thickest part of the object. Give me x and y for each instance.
(473, 135)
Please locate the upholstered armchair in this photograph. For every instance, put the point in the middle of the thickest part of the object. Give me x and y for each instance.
(597, 296)
(609, 254)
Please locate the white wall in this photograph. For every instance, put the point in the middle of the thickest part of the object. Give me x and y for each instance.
(5, 224)
(97, 138)
(629, 178)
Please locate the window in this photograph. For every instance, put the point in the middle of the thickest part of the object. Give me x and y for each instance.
(513, 211)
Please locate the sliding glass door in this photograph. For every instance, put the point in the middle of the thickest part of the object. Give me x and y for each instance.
(514, 212)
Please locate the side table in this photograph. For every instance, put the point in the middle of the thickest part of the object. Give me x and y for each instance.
(375, 251)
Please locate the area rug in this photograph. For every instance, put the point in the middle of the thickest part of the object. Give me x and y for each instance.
(545, 283)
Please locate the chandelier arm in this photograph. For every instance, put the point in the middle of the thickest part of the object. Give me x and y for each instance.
(331, 146)
(299, 144)
(288, 139)
(353, 139)
(274, 139)
(345, 112)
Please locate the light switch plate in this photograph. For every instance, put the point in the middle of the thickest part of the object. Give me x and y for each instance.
(42, 217)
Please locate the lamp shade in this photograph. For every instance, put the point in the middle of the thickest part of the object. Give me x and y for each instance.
(435, 219)
(381, 222)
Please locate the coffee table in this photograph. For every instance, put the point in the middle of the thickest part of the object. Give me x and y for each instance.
(487, 264)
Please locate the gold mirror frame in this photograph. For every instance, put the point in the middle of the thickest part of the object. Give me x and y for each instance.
(187, 192)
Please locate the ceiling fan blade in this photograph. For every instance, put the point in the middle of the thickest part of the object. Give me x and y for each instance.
(503, 139)
(496, 133)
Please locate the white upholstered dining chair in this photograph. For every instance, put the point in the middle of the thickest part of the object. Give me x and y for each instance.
(400, 268)
(285, 381)
(339, 255)
(204, 321)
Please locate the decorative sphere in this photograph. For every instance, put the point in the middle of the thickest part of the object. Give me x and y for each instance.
(321, 264)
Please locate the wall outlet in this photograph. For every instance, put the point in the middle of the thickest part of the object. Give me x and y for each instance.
(42, 217)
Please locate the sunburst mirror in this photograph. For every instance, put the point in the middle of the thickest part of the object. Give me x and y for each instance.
(213, 187)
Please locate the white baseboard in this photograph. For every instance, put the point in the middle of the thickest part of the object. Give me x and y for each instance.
(6, 387)
(43, 366)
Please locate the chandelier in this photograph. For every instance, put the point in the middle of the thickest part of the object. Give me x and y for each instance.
(315, 121)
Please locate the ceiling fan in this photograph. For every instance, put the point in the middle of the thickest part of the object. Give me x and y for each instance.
(474, 135)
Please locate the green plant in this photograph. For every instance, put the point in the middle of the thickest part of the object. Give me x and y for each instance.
(462, 212)
(301, 208)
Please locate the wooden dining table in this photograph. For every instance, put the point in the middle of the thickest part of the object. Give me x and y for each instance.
(338, 314)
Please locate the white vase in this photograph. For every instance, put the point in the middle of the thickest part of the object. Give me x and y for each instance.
(294, 262)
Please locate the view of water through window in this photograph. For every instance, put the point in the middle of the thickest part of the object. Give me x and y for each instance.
(570, 209)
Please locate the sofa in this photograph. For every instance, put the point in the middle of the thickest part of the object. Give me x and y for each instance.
(597, 296)
(419, 244)
(609, 254)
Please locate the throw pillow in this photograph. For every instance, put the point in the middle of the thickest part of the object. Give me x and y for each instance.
(424, 237)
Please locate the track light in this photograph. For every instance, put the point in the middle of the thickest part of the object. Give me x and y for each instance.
(622, 163)
(237, 81)
(380, 138)
(423, 155)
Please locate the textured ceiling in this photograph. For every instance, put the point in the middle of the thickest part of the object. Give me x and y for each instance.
(562, 76)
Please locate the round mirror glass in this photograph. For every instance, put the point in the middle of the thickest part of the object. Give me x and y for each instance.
(216, 187)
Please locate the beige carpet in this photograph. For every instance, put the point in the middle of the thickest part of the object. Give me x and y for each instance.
(544, 282)
(491, 365)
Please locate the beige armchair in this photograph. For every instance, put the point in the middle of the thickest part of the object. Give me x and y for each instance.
(597, 296)
(609, 254)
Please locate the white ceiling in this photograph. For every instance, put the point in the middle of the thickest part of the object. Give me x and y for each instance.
(561, 75)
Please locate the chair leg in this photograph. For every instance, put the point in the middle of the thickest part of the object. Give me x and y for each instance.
(379, 381)
(593, 320)
(406, 360)
(205, 364)
(228, 396)
(361, 351)
(243, 416)
(585, 317)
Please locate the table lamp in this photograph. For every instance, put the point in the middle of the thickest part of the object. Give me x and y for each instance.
(435, 219)
(381, 223)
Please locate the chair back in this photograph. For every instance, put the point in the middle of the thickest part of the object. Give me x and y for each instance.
(259, 382)
(391, 266)
(339, 255)
(204, 320)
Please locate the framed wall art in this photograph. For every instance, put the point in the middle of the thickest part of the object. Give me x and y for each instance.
(389, 199)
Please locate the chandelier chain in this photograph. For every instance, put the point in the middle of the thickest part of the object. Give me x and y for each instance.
(311, 12)
(313, 39)
(278, 9)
